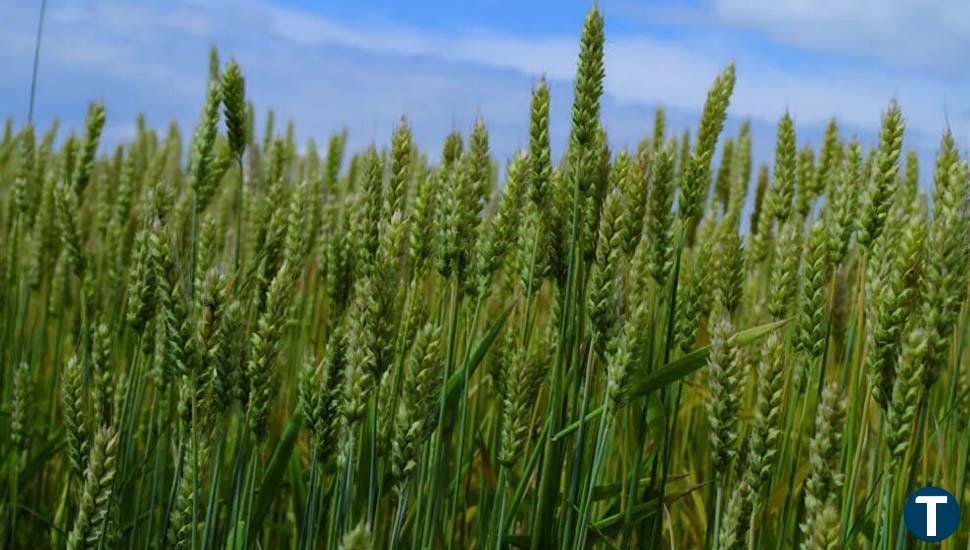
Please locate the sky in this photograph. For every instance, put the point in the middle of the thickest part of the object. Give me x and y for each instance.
(361, 65)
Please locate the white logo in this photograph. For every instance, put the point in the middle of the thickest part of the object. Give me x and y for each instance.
(931, 514)
(931, 502)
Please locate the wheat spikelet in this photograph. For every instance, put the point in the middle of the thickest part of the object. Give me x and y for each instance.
(94, 510)
(880, 188)
(712, 122)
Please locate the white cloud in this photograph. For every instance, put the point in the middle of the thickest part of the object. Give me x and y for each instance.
(364, 74)
(927, 35)
(649, 70)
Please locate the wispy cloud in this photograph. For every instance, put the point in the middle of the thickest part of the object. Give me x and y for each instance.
(926, 35)
(326, 72)
(651, 70)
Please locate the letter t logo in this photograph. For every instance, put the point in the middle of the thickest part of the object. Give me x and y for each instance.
(931, 502)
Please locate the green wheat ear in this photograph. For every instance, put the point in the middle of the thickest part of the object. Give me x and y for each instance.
(782, 192)
(540, 154)
(828, 159)
(360, 538)
(722, 179)
(734, 532)
(784, 282)
(723, 407)
(806, 193)
(882, 184)
(94, 510)
(825, 477)
(89, 148)
(202, 160)
(415, 420)
(809, 337)
(712, 122)
(400, 167)
(657, 240)
(20, 412)
(233, 87)
(588, 85)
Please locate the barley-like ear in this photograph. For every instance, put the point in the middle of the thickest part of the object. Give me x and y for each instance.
(893, 288)
(603, 299)
(828, 158)
(325, 417)
(501, 231)
(784, 280)
(624, 352)
(361, 356)
(737, 519)
(741, 171)
(100, 375)
(213, 341)
(528, 265)
(335, 157)
(449, 220)
(21, 409)
(46, 237)
(947, 255)
(416, 417)
(723, 407)
(213, 63)
(265, 348)
(72, 401)
(881, 187)
(92, 135)
(805, 190)
(55, 298)
(760, 221)
(400, 176)
(372, 211)
(521, 377)
(480, 171)
(910, 189)
(907, 392)
(141, 283)
(183, 528)
(465, 193)
(823, 528)
(657, 240)
(588, 84)
(23, 181)
(422, 222)
(540, 154)
(729, 272)
(94, 510)
(659, 135)
(824, 450)
(203, 142)
(296, 245)
(172, 350)
(358, 539)
(809, 336)
(594, 174)
(68, 217)
(712, 122)
(782, 191)
(636, 192)
(722, 179)
(763, 441)
(690, 294)
(683, 155)
(233, 87)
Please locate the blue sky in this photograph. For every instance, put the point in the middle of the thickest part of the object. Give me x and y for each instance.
(363, 64)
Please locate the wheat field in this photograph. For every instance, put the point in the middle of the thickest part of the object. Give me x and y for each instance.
(224, 340)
